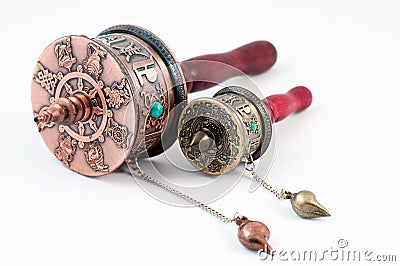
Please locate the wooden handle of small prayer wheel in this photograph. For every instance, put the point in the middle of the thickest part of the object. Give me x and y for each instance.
(295, 100)
(203, 72)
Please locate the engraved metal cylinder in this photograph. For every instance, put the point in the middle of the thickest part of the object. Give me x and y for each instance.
(236, 120)
(100, 100)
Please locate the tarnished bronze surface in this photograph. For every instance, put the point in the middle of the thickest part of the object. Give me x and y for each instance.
(214, 119)
(215, 134)
(93, 99)
(261, 137)
(305, 204)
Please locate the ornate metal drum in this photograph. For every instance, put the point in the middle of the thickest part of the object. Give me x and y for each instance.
(216, 134)
(99, 100)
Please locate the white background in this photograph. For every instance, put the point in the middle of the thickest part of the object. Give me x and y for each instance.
(345, 147)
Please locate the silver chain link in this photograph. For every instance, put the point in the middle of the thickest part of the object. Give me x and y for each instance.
(250, 166)
(139, 173)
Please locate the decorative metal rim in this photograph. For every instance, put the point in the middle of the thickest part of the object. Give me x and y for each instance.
(262, 109)
(174, 69)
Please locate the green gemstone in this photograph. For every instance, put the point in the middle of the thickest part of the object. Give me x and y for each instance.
(253, 126)
(156, 109)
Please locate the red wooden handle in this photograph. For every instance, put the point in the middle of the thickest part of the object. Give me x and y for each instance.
(202, 72)
(295, 100)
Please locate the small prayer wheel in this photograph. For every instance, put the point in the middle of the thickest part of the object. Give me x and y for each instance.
(98, 101)
(216, 134)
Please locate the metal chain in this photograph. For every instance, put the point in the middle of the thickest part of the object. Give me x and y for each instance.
(139, 172)
(250, 166)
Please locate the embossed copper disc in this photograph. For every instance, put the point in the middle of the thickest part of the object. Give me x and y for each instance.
(100, 101)
(76, 67)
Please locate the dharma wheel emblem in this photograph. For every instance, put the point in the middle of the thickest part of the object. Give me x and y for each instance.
(81, 105)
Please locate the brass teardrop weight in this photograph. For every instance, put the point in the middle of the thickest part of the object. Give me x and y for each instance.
(305, 204)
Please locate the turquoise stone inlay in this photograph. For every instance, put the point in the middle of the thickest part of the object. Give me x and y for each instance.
(253, 126)
(156, 110)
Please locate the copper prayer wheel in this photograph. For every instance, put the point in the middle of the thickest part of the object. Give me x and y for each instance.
(98, 101)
